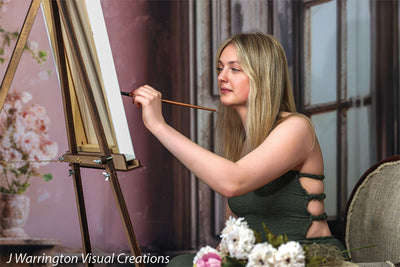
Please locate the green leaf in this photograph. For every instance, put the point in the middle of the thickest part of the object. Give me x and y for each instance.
(7, 40)
(232, 262)
(3, 189)
(257, 236)
(42, 55)
(24, 169)
(368, 246)
(15, 183)
(22, 188)
(47, 177)
(316, 261)
(274, 240)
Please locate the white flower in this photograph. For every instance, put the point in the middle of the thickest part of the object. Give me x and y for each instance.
(3, 5)
(203, 251)
(34, 46)
(237, 238)
(30, 142)
(23, 134)
(43, 75)
(290, 254)
(6, 142)
(26, 97)
(13, 155)
(238, 242)
(232, 223)
(263, 254)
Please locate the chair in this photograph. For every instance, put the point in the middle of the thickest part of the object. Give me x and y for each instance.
(373, 214)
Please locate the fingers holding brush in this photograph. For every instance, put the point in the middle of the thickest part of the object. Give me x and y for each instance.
(150, 100)
(169, 101)
(146, 95)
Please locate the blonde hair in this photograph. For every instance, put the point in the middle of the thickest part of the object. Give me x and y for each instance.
(263, 60)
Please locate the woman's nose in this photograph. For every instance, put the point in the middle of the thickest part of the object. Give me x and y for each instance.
(222, 77)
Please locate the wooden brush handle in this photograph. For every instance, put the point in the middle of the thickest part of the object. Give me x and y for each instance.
(176, 103)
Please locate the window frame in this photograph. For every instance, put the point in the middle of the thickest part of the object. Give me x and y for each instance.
(342, 104)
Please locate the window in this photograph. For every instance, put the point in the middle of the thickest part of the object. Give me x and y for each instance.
(336, 94)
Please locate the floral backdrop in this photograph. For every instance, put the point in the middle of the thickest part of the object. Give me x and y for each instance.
(32, 127)
(25, 145)
(53, 212)
(24, 142)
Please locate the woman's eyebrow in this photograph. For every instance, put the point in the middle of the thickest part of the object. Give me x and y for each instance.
(229, 62)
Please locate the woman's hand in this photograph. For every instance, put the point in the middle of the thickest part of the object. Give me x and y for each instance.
(150, 100)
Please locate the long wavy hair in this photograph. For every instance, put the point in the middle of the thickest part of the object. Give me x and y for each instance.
(263, 59)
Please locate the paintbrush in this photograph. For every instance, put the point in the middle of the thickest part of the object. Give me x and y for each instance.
(175, 103)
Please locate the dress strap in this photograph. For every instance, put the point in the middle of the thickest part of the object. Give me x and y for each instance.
(316, 196)
(312, 176)
(321, 217)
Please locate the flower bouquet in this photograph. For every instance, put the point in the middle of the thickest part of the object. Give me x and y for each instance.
(24, 142)
(241, 246)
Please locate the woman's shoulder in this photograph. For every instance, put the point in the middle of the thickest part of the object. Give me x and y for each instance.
(295, 129)
(294, 120)
(299, 131)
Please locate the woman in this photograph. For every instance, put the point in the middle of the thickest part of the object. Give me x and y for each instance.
(271, 168)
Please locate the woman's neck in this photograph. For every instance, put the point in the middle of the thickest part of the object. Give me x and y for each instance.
(242, 112)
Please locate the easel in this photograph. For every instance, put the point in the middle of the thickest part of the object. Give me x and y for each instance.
(103, 160)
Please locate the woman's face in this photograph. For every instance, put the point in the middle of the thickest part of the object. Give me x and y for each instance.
(233, 83)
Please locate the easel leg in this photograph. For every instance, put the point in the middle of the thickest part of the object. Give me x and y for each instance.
(80, 202)
(123, 212)
(86, 88)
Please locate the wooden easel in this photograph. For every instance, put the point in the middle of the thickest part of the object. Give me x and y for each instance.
(103, 160)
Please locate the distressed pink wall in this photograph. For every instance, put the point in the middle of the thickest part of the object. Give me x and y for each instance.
(133, 31)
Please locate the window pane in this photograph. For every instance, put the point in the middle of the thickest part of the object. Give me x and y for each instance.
(325, 127)
(358, 48)
(360, 144)
(323, 32)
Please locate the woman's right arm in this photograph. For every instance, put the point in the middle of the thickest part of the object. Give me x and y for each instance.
(287, 146)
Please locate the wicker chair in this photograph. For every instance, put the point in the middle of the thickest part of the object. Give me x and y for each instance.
(373, 214)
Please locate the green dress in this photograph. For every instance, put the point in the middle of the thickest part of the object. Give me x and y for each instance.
(282, 206)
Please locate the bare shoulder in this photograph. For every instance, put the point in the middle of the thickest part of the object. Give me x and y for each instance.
(296, 122)
(300, 130)
(297, 129)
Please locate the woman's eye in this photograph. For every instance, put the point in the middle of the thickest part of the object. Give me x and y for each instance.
(219, 69)
(235, 69)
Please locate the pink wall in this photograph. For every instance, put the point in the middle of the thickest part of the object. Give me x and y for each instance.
(136, 37)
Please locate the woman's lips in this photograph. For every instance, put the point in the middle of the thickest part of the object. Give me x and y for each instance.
(225, 90)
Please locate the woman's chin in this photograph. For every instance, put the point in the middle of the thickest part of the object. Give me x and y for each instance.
(225, 103)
